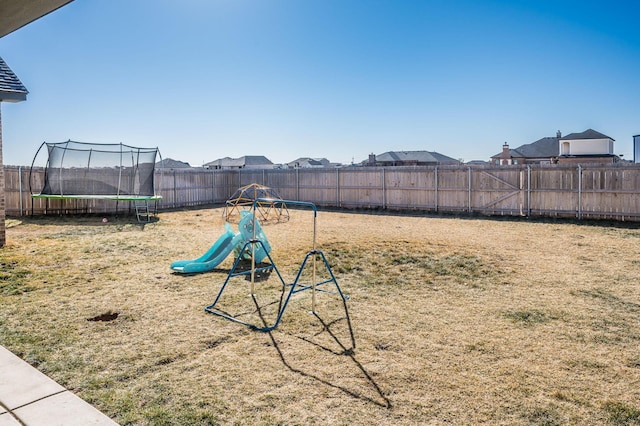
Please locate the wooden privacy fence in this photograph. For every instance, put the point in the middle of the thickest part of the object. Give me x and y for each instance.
(594, 192)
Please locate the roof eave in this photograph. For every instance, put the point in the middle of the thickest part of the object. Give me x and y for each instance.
(8, 96)
(18, 13)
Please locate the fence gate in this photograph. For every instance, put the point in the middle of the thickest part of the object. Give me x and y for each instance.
(498, 191)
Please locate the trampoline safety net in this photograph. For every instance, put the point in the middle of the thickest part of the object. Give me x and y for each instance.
(87, 169)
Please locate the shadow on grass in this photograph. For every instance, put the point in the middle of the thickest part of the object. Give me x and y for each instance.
(87, 219)
(379, 397)
(243, 268)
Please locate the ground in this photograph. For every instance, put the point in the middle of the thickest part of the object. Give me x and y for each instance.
(451, 320)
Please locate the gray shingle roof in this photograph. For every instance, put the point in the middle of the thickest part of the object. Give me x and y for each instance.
(542, 148)
(587, 134)
(308, 160)
(247, 160)
(415, 156)
(256, 160)
(443, 159)
(170, 163)
(11, 88)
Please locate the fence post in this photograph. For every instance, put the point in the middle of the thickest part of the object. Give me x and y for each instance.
(469, 171)
(337, 186)
(297, 184)
(213, 187)
(579, 192)
(175, 190)
(528, 191)
(384, 189)
(20, 187)
(436, 185)
(521, 195)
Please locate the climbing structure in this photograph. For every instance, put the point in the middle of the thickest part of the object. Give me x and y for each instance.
(269, 208)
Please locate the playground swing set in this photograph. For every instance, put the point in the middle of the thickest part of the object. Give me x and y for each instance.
(257, 249)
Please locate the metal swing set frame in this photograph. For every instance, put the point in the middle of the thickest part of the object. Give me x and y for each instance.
(294, 287)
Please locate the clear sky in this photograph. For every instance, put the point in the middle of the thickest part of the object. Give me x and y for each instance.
(340, 79)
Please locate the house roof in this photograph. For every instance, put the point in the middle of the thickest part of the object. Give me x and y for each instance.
(247, 160)
(11, 88)
(169, 163)
(18, 13)
(546, 147)
(542, 148)
(587, 134)
(549, 147)
(310, 161)
(415, 156)
(255, 160)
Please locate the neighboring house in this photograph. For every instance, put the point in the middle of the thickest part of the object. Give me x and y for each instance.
(169, 163)
(542, 151)
(587, 147)
(409, 158)
(308, 163)
(576, 148)
(246, 162)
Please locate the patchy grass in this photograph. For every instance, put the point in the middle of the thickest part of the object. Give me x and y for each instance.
(455, 321)
(609, 298)
(527, 318)
(13, 278)
(620, 413)
(544, 416)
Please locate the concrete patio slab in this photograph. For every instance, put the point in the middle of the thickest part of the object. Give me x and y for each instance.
(7, 419)
(63, 409)
(21, 383)
(30, 398)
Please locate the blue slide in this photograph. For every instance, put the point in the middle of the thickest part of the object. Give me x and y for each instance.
(227, 243)
(246, 230)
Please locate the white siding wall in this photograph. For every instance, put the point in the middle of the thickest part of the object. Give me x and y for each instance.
(588, 146)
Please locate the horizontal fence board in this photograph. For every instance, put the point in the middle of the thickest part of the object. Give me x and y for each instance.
(594, 192)
(409, 189)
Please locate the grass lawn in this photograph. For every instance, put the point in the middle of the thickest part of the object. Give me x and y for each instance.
(454, 320)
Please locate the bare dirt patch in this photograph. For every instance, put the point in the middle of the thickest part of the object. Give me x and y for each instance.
(455, 321)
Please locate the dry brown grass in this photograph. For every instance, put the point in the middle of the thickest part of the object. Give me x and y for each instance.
(456, 321)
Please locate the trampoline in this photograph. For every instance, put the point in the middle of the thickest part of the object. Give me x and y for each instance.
(90, 171)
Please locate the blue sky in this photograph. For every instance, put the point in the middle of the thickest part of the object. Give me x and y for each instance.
(205, 79)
